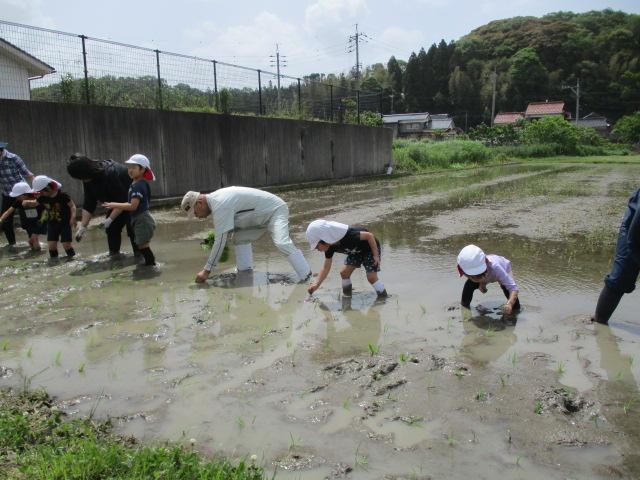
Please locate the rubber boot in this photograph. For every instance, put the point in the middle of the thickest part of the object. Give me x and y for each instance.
(244, 257)
(300, 265)
(607, 303)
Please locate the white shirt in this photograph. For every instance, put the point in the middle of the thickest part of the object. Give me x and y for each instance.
(236, 208)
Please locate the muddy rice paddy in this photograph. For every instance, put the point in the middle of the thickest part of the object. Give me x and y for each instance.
(335, 387)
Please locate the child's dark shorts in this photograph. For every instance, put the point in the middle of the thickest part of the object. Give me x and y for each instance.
(365, 259)
(58, 231)
(31, 223)
(143, 227)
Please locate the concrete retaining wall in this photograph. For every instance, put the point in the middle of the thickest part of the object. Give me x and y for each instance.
(191, 151)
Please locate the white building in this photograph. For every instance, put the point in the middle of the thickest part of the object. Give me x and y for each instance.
(17, 67)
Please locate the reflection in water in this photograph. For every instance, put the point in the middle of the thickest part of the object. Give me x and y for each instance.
(617, 365)
(487, 335)
(352, 323)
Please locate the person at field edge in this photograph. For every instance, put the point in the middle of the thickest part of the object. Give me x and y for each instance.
(12, 171)
(248, 213)
(626, 263)
(480, 270)
(103, 181)
(359, 245)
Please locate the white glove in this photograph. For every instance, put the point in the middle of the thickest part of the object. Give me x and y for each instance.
(106, 223)
(80, 232)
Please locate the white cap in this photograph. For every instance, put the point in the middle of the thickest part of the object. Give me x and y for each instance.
(20, 188)
(139, 159)
(189, 202)
(42, 181)
(325, 230)
(472, 260)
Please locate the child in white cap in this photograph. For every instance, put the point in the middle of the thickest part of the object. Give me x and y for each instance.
(60, 212)
(357, 243)
(139, 196)
(29, 210)
(481, 269)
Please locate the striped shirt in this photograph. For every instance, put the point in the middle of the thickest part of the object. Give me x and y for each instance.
(12, 171)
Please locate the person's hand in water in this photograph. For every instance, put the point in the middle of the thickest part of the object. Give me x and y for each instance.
(202, 276)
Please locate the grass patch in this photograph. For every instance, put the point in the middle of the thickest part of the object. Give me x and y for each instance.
(38, 442)
(417, 156)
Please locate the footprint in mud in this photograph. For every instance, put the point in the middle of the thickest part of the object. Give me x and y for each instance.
(249, 278)
(106, 264)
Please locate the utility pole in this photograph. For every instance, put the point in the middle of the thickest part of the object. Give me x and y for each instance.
(354, 44)
(576, 92)
(277, 62)
(494, 78)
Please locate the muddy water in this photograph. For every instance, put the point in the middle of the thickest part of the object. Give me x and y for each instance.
(409, 388)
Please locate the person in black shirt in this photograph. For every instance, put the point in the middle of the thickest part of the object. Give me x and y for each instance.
(103, 181)
(360, 246)
(29, 211)
(60, 211)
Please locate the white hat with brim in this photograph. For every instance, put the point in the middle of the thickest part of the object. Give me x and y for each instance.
(188, 203)
(143, 161)
(20, 188)
(472, 260)
(42, 181)
(325, 230)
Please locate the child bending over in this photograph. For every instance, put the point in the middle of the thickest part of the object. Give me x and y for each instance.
(357, 243)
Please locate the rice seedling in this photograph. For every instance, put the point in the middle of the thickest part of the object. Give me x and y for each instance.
(30, 352)
(458, 372)
(481, 396)
(94, 407)
(386, 328)
(504, 380)
(360, 460)
(403, 357)
(560, 368)
(538, 409)
(514, 358)
(620, 375)
(346, 404)
(57, 359)
(594, 417)
(374, 349)
(293, 442)
(518, 460)
(627, 406)
(489, 332)
(81, 368)
(630, 360)
(451, 441)
(240, 422)
(423, 309)
(26, 381)
(5, 345)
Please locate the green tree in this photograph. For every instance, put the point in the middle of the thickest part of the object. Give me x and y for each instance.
(628, 128)
(528, 77)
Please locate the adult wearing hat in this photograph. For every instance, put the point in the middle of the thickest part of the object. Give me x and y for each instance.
(12, 171)
(248, 213)
(103, 181)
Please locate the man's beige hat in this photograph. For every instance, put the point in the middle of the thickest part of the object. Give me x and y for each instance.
(189, 202)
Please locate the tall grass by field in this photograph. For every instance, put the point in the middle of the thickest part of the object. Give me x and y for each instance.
(425, 155)
(37, 442)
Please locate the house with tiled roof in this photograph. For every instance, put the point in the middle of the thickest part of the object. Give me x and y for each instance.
(420, 124)
(508, 118)
(17, 68)
(537, 110)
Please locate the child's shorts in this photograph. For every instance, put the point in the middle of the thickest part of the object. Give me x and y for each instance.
(363, 259)
(143, 226)
(58, 231)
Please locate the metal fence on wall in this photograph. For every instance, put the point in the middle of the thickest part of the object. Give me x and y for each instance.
(101, 72)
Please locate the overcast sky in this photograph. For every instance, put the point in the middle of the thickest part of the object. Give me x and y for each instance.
(312, 34)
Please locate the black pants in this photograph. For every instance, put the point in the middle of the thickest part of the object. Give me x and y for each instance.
(470, 287)
(7, 225)
(114, 233)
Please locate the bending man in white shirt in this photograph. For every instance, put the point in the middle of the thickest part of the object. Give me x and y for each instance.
(247, 213)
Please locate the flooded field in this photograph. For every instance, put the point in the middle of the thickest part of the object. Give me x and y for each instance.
(333, 387)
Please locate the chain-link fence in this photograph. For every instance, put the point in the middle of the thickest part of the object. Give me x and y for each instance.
(47, 65)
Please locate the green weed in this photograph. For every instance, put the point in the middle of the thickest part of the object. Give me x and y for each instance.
(481, 396)
(538, 408)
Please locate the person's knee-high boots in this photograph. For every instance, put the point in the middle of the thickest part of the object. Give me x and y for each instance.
(607, 303)
(300, 265)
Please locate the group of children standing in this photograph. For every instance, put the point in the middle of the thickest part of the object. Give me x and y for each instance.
(46, 209)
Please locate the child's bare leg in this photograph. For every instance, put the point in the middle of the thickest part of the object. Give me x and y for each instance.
(34, 243)
(345, 274)
(53, 248)
(68, 248)
(377, 285)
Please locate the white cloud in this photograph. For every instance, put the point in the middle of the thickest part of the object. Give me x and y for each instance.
(25, 11)
(327, 14)
(401, 40)
(248, 44)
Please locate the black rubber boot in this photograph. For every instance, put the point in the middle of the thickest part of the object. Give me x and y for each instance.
(607, 303)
